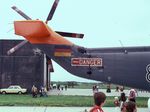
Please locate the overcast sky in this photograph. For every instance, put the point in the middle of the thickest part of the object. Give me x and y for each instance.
(104, 23)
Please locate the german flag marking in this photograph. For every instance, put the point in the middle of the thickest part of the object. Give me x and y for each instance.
(62, 52)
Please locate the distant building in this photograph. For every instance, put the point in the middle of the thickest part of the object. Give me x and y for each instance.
(25, 67)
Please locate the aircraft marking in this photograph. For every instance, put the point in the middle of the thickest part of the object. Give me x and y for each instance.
(86, 61)
(62, 52)
(148, 73)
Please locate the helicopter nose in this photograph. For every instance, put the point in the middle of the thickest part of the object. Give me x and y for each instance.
(31, 28)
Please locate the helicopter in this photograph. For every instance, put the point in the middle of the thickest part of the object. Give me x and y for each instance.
(128, 66)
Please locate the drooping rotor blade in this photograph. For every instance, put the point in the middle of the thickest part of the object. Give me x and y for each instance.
(52, 10)
(50, 65)
(67, 34)
(12, 50)
(21, 13)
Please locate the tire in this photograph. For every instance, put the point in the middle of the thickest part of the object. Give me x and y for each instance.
(19, 92)
(3, 92)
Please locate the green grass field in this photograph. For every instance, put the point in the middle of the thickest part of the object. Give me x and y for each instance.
(61, 101)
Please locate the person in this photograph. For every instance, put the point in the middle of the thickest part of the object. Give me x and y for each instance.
(65, 87)
(129, 106)
(122, 100)
(34, 91)
(95, 89)
(45, 92)
(122, 88)
(108, 88)
(58, 87)
(116, 102)
(117, 88)
(99, 100)
(41, 91)
(122, 97)
(132, 95)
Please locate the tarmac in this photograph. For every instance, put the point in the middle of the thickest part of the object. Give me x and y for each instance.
(89, 92)
(60, 109)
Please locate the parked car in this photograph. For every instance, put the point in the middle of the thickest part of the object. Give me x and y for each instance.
(13, 89)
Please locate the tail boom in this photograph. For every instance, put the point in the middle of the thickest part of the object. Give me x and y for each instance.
(37, 32)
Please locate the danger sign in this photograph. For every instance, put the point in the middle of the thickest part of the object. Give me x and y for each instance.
(86, 61)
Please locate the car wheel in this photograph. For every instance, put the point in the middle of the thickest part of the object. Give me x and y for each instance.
(3, 92)
(19, 92)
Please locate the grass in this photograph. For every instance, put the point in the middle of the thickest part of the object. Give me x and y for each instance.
(60, 101)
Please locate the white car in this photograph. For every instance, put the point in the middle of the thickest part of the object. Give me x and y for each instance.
(13, 89)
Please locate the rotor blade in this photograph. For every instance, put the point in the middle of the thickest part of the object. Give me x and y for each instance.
(12, 50)
(21, 13)
(52, 10)
(67, 34)
(50, 65)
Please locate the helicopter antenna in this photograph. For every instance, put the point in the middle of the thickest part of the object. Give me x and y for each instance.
(125, 51)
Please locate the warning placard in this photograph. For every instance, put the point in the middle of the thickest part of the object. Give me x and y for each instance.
(86, 61)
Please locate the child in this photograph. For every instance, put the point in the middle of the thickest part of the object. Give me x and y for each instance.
(116, 102)
(99, 99)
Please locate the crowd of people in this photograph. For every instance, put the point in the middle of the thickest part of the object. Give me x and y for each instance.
(58, 87)
(42, 91)
(125, 104)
